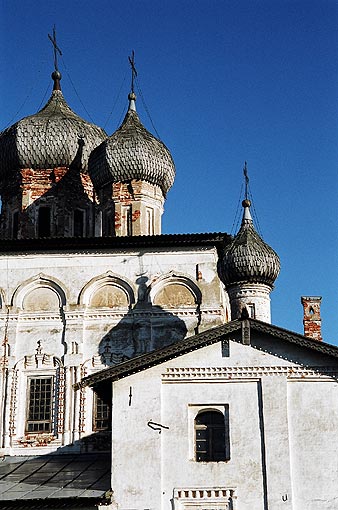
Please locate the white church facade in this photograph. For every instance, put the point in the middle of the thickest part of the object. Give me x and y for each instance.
(140, 371)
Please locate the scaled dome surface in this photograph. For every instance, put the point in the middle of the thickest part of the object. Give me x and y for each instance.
(51, 138)
(248, 259)
(132, 152)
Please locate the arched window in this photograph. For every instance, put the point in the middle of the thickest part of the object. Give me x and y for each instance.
(211, 436)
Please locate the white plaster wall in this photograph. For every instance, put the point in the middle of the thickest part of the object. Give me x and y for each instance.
(313, 424)
(283, 433)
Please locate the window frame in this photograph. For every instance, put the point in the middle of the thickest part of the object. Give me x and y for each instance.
(50, 419)
(79, 220)
(194, 411)
(42, 221)
(96, 402)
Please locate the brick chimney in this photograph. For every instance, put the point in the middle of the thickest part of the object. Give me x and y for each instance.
(311, 319)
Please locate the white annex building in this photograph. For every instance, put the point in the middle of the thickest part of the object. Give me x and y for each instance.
(141, 371)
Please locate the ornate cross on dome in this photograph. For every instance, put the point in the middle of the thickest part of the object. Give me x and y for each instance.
(133, 69)
(245, 171)
(56, 48)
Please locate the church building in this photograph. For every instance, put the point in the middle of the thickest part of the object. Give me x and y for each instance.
(141, 371)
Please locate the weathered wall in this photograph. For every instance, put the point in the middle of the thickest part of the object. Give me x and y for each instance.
(87, 311)
(283, 429)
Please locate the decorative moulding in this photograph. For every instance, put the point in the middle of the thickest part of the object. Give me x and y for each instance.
(248, 373)
(205, 498)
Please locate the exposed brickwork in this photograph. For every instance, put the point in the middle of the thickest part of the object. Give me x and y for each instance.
(312, 320)
(62, 189)
(131, 208)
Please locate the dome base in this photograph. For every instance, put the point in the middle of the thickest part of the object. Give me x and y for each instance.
(252, 299)
(132, 208)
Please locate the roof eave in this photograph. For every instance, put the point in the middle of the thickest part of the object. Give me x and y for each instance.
(196, 342)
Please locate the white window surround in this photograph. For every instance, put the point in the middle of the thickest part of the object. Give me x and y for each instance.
(193, 410)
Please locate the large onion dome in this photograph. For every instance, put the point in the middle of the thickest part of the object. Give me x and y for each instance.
(130, 153)
(248, 259)
(51, 138)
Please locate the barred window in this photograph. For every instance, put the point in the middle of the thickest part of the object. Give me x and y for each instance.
(40, 400)
(211, 436)
(101, 415)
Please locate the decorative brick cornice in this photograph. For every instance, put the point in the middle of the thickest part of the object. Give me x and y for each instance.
(235, 373)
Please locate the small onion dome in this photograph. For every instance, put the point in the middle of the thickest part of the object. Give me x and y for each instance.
(248, 259)
(51, 138)
(132, 153)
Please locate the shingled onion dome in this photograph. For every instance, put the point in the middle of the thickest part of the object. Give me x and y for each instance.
(130, 153)
(248, 259)
(49, 139)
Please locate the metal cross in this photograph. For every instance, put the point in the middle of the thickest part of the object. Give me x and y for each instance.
(245, 171)
(133, 69)
(56, 48)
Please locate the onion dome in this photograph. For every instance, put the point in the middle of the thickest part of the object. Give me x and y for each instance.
(49, 139)
(132, 153)
(248, 259)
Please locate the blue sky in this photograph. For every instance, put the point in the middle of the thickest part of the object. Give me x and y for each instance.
(224, 82)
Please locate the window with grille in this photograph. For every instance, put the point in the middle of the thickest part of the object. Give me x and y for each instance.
(40, 403)
(211, 436)
(101, 415)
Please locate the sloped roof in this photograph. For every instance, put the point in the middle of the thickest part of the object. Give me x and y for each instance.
(70, 478)
(199, 341)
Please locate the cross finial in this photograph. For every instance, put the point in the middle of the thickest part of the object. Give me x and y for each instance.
(245, 171)
(133, 70)
(56, 49)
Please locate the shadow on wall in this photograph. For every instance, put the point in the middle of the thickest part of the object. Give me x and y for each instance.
(144, 328)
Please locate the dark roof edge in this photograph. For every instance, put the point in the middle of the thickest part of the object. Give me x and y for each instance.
(55, 503)
(296, 338)
(196, 342)
(96, 243)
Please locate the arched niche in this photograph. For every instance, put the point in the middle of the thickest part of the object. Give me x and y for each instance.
(175, 291)
(41, 299)
(39, 294)
(107, 291)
